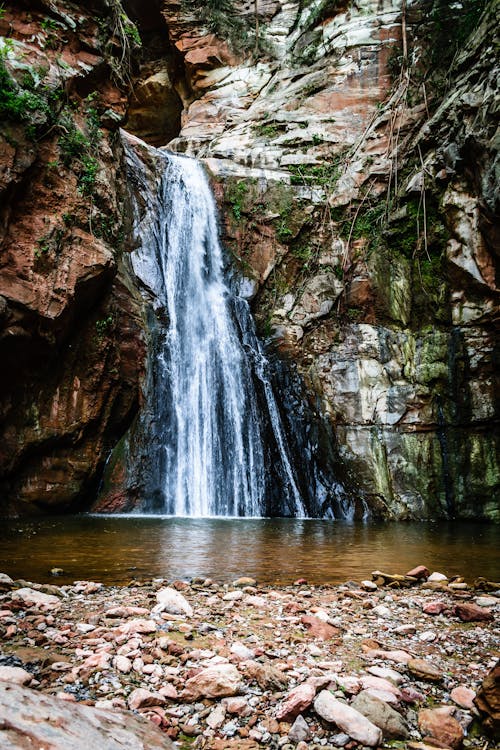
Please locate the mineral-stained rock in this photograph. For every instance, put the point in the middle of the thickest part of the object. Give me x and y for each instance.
(488, 701)
(297, 701)
(469, 612)
(419, 572)
(424, 670)
(463, 696)
(438, 723)
(434, 608)
(383, 716)
(318, 628)
(50, 722)
(213, 682)
(348, 719)
(31, 598)
(140, 698)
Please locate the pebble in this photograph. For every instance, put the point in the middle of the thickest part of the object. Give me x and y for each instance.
(258, 669)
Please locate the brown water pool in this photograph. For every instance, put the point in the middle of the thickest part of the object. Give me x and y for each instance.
(116, 549)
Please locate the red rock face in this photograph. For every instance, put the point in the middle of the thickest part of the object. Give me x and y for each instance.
(70, 329)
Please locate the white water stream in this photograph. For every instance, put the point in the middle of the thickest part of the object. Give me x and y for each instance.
(208, 442)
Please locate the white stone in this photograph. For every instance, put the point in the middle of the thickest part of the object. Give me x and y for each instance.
(172, 601)
(348, 719)
(16, 675)
(437, 577)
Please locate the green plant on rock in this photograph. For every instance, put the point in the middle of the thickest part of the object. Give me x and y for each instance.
(103, 326)
(120, 36)
(235, 195)
(326, 174)
(222, 19)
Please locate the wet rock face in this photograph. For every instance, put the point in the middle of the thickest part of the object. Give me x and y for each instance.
(323, 157)
(70, 323)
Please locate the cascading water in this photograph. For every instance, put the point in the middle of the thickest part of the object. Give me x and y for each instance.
(211, 438)
(211, 446)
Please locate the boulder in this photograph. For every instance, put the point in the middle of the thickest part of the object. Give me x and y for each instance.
(383, 716)
(298, 700)
(213, 682)
(39, 600)
(50, 722)
(424, 670)
(487, 701)
(469, 612)
(439, 724)
(352, 722)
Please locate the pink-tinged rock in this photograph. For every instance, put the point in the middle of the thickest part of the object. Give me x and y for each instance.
(31, 598)
(255, 601)
(350, 685)
(100, 660)
(137, 626)
(123, 664)
(169, 691)
(420, 572)
(400, 657)
(298, 700)
(434, 608)
(17, 675)
(126, 612)
(237, 706)
(213, 682)
(424, 670)
(216, 717)
(463, 696)
(318, 628)
(172, 601)
(437, 723)
(347, 719)
(472, 613)
(300, 582)
(32, 719)
(379, 683)
(142, 698)
(409, 694)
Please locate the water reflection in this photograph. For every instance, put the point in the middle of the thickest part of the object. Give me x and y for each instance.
(117, 548)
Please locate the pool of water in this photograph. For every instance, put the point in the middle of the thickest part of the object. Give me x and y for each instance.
(116, 549)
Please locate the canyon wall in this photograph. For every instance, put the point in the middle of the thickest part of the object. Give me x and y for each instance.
(354, 154)
(71, 328)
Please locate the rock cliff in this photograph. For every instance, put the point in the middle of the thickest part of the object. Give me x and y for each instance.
(71, 340)
(355, 156)
(354, 152)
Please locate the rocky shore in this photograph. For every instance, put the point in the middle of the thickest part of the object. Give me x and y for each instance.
(397, 661)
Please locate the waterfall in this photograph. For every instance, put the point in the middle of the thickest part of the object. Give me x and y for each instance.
(214, 438)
